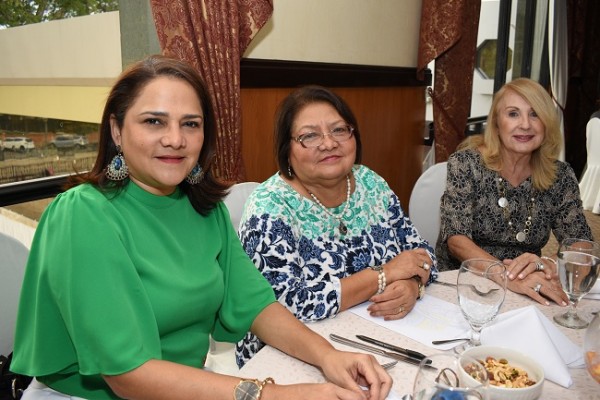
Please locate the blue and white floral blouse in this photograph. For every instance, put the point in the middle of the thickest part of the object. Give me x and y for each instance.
(299, 248)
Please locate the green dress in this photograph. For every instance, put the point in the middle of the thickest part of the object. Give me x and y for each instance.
(115, 280)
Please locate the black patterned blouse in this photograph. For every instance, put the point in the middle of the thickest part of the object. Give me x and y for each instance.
(470, 207)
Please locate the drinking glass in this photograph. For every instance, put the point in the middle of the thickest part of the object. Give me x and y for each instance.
(446, 376)
(481, 288)
(591, 348)
(578, 268)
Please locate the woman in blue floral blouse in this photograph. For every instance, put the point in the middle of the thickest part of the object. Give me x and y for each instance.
(327, 232)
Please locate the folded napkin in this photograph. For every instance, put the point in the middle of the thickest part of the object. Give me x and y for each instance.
(594, 292)
(529, 331)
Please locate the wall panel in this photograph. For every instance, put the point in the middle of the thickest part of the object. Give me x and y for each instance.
(391, 121)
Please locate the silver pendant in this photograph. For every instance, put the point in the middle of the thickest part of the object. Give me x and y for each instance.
(502, 202)
(343, 229)
(521, 236)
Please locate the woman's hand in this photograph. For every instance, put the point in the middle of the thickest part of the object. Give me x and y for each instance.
(355, 372)
(396, 301)
(528, 263)
(408, 264)
(539, 288)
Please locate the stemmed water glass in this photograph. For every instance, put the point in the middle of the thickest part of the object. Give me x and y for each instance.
(481, 288)
(578, 268)
(446, 376)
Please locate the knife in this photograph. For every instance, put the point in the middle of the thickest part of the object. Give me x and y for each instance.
(397, 349)
(376, 350)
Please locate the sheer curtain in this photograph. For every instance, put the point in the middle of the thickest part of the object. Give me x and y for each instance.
(448, 35)
(212, 35)
(559, 60)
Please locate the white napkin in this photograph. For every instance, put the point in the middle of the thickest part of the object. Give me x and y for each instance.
(594, 292)
(529, 331)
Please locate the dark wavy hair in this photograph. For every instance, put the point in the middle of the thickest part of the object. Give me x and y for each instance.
(123, 94)
(289, 109)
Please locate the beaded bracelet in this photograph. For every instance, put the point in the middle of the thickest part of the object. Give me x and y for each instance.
(381, 281)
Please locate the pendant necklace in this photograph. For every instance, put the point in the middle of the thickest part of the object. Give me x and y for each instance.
(342, 227)
(521, 235)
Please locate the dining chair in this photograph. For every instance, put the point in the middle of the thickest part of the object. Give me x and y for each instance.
(221, 355)
(424, 203)
(13, 258)
(589, 186)
(236, 199)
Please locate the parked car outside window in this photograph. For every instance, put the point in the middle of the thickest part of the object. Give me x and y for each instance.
(67, 141)
(21, 144)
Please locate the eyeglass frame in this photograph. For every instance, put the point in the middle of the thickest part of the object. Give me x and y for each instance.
(299, 138)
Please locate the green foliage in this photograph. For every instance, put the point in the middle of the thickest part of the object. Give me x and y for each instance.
(23, 12)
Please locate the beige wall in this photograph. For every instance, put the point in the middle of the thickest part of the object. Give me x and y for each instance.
(63, 69)
(369, 32)
(60, 69)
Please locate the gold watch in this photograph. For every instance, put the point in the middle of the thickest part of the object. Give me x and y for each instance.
(421, 287)
(250, 389)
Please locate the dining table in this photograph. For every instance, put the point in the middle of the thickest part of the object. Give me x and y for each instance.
(284, 369)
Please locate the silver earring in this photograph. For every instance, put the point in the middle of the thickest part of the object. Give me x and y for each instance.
(290, 174)
(117, 169)
(195, 175)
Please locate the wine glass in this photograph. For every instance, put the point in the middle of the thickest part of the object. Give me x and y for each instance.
(444, 376)
(578, 268)
(591, 348)
(481, 288)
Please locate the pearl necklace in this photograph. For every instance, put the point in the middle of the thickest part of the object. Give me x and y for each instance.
(521, 236)
(342, 227)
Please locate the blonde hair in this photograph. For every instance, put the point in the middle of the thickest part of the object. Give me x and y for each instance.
(543, 159)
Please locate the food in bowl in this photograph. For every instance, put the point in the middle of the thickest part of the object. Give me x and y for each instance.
(515, 360)
(501, 373)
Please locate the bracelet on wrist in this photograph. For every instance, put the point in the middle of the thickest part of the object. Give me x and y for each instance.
(381, 279)
(250, 389)
(552, 260)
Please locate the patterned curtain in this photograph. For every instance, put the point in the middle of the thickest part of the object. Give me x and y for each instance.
(449, 36)
(212, 35)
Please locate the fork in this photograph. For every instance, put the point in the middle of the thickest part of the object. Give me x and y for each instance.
(473, 288)
(389, 365)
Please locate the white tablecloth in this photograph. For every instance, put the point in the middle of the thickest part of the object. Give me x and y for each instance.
(287, 370)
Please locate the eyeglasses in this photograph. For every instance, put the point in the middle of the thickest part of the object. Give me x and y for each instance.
(314, 139)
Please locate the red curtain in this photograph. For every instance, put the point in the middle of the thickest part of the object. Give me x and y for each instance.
(212, 35)
(449, 36)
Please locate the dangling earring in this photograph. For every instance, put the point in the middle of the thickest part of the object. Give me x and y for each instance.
(195, 175)
(290, 173)
(117, 169)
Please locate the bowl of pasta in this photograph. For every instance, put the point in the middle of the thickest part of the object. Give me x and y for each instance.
(512, 375)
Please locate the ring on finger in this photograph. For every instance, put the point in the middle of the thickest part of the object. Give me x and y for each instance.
(539, 266)
(537, 287)
(400, 310)
(426, 266)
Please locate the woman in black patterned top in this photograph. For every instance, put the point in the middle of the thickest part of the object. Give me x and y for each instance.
(506, 191)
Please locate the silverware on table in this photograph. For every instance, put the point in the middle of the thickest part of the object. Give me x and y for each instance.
(376, 350)
(389, 365)
(473, 288)
(436, 342)
(388, 346)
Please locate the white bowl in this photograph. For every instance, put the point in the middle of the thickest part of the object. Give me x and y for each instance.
(516, 359)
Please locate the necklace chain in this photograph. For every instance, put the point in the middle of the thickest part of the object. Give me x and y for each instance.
(342, 227)
(521, 236)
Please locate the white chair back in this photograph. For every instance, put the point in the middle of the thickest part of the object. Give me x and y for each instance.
(236, 199)
(589, 186)
(424, 204)
(221, 355)
(13, 258)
